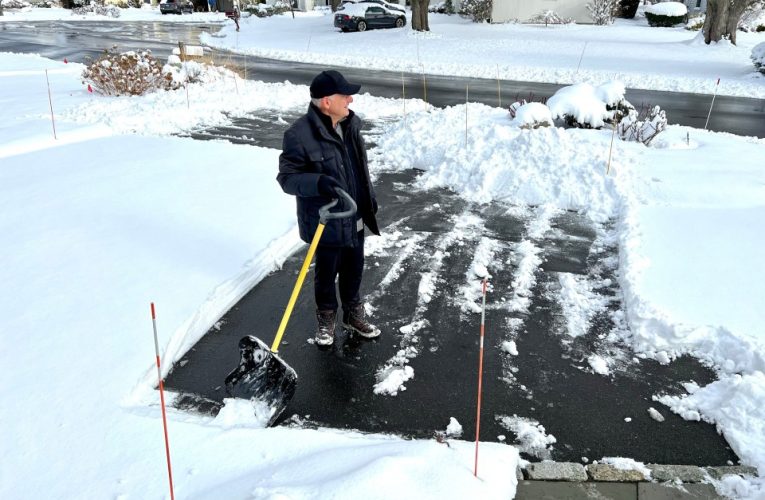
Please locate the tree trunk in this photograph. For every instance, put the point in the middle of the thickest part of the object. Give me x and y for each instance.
(335, 4)
(420, 15)
(722, 19)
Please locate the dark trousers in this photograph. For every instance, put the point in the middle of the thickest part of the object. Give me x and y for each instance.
(347, 263)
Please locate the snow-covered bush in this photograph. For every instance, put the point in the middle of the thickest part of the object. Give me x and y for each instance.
(98, 9)
(584, 106)
(602, 12)
(14, 4)
(267, 10)
(753, 18)
(478, 10)
(644, 129)
(695, 23)
(549, 17)
(758, 57)
(666, 14)
(628, 8)
(445, 7)
(128, 73)
(530, 115)
(183, 72)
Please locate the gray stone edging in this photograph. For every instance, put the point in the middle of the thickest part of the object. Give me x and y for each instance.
(575, 472)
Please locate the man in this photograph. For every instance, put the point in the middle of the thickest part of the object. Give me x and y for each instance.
(322, 151)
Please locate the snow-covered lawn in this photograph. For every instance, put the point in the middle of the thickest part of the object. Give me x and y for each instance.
(642, 57)
(114, 214)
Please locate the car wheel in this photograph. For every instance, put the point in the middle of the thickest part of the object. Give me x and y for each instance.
(400, 22)
(362, 26)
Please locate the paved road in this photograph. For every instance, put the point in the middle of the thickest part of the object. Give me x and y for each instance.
(79, 40)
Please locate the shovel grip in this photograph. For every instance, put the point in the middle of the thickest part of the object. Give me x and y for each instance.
(325, 214)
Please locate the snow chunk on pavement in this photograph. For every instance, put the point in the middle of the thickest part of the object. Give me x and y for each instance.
(509, 347)
(622, 463)
(238, 412)
(655, 414)
(599, 364)
(454, 429)
(530, 434)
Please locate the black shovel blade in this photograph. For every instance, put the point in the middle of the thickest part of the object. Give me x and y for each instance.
(262, 376)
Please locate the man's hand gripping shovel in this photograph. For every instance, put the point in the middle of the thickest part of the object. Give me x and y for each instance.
(262, 375)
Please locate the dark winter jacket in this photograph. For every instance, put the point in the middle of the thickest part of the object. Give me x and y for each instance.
(311, 149)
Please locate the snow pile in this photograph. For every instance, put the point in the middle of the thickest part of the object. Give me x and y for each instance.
(674, 9)
(563, 168)
(509, 347)
(736, 404)
(530, 435)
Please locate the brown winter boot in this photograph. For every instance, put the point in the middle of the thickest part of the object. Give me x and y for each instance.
(325, 331)
(355, 321)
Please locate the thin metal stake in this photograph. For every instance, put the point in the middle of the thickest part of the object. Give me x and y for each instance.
(50, 101)
(480, 379)
(499, 90)
(581, 57)
(467, 85)
(162, 400)
(424, 84)
(711, 105)
(403, 94)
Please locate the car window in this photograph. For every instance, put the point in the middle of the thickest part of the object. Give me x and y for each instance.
(374, 10)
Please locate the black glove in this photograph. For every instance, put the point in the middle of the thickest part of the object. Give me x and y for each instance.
(328, 185)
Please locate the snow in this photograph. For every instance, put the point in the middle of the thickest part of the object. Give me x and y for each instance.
(655, 414)
(668, 9)
(115, 214)
(623, 463)
(532, 114)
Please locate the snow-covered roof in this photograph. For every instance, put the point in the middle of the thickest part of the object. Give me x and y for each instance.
(360, 9)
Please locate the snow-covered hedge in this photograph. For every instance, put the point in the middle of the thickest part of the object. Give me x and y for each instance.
(584, 106)
(666, 14)
(758, 57)
(628, 8)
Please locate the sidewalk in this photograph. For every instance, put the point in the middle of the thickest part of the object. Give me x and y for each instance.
(553, 490)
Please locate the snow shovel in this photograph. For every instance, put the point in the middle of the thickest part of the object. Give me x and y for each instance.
(262, 376)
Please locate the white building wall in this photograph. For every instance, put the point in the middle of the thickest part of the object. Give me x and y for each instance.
(523, 10)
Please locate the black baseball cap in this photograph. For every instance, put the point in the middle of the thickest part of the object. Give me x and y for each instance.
(332, 82)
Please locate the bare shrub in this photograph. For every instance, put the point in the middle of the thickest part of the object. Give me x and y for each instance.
(128, 73)
(603, 11)
(549, 17)
(642, 127)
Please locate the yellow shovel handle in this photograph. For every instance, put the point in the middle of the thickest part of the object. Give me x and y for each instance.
(298, 286)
